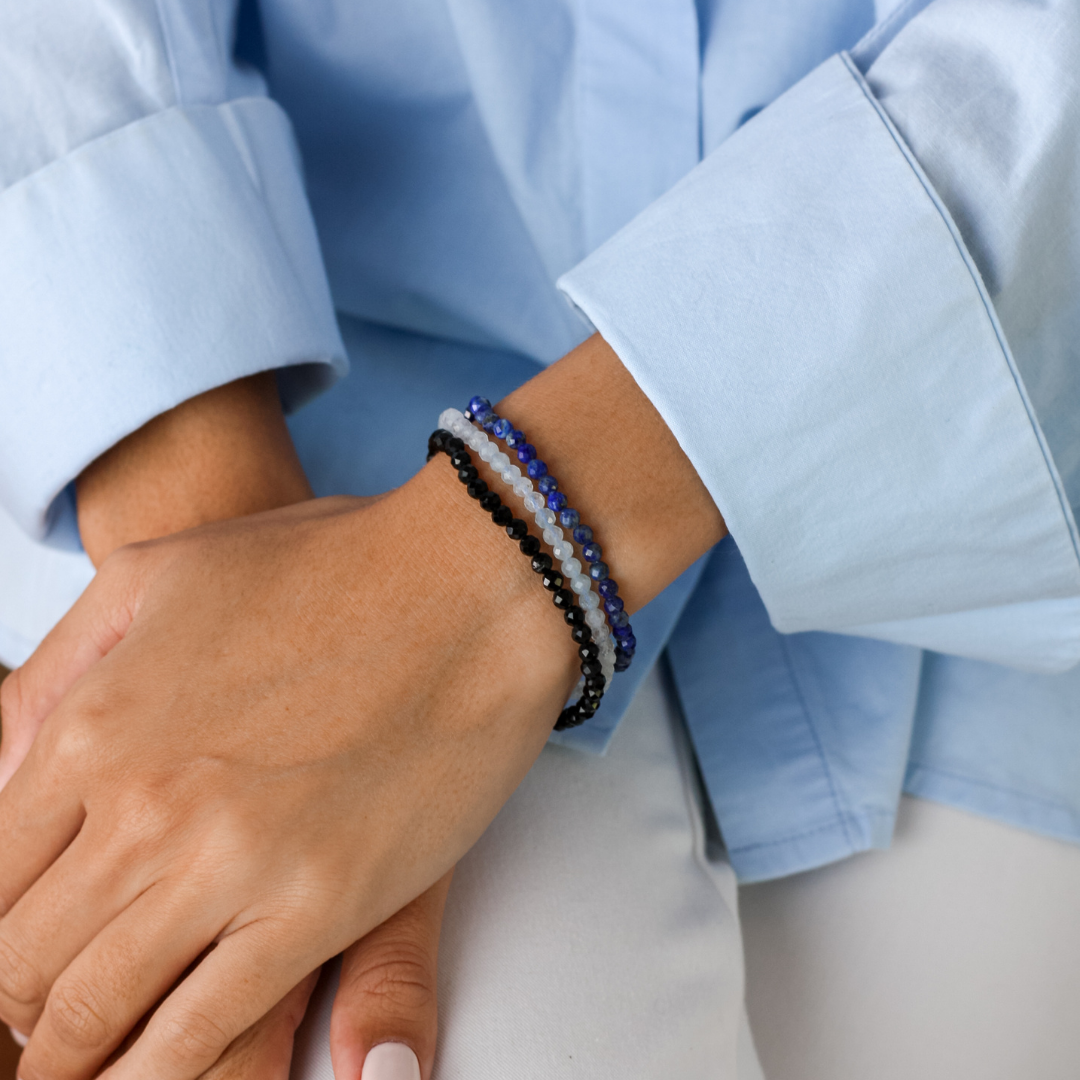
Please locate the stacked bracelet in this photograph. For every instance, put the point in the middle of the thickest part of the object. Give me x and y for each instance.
(593, 679)
(554, 502)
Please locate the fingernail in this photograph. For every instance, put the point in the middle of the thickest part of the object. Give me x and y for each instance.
(390, 1061)
(19, 1037)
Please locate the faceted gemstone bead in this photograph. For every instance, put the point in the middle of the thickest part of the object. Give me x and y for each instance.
(547, 483)
(552, 580)
(552, 535)
(586, 710)
(488, 451)
(490, 502)
(608, 588)
(545, 518)
(595, 681)
(525, 453)
(534, 501)
(582, 534)
(502, 428)
(621, 663)
(517, 529)
(476, 439)
(541, 562)
(582, 634)
(591, 552)
(454, 445)
(556, 501)
(574, 615)
(467, 473)
(624, 634)
(477, 403)
(589, 599)
(594, 618)
(476, 488)
(592, 693)
(536, 469)
(488, 420)
(447, 418)
(460, 459)
(530, 546)
(618, 620)
(522, 487)
(580, 584)
(598, 571)
(628, 643)
(511, 475)
(500, 461)
(515, 438)
(562, 550)
(568, 718)
(589, 651)
(613, 605)
(562, 598)
(571, 567)
(503, 516)
(569, 519)
(591, 666)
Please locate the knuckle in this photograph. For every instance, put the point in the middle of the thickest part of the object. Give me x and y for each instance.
(74, 1015)
(21, 983)
(396, 978)
(192, 1038)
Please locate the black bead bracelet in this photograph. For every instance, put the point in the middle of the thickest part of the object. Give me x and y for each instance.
(444, 442)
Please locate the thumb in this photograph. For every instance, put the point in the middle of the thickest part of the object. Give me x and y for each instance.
(385, 1017)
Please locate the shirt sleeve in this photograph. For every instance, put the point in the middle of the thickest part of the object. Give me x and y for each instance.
(824, 312)
(155, 238)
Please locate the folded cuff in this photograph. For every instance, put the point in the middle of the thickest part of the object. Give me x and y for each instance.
(803, 313)
(167, 258)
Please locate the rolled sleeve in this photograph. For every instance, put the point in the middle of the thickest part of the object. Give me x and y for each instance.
(803, 312)
(149, 265)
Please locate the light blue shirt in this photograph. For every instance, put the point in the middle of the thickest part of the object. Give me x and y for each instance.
(836, 242)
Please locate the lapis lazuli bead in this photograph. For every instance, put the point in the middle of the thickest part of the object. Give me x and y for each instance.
(547, 484)
(582, 534)
(625, 632)
(525, 453)
(536, 469)
(502, 428)
(515, 438)
(618, 619)
(488, 421)
(478, 404)
(569, 519)
(598, 571)
(591, 552)
(608, 588)
(556, 501)
(613, 605)
(621, 664)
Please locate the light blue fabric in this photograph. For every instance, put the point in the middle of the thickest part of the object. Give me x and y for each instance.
(858, 314)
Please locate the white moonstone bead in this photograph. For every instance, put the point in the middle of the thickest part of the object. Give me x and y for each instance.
(447, 418)
(581, 585)
(562, 550)
(545, 518)
(488, 451)
(589, 599)
(522, 487)
(552, 535)
(511, 475)
(571, 568)
(601, 634)
(533, 501)
(476, 439)
(594, 618)
(500, 461)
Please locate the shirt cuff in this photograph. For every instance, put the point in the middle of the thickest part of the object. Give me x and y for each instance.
(172, 256)
(804, 315)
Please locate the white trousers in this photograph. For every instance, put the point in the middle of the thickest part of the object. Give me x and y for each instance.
(593, 934)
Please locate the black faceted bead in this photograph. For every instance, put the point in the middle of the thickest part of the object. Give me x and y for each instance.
(467, 473)
(586, 709)
(568, 718)
(589, 651)
(595, 682)
(563, 598)
(541, 562)
(530, 546)
(476, 488)
(454, 445)
(503, 516)
(552, 580)
(581, 634)
(574, 615)
(460, 459)
(517, 529)
(592, 693)
(490, 502)
(591, 667)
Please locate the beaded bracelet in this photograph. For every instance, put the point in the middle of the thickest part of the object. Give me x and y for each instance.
(594, 681)
(481, 412)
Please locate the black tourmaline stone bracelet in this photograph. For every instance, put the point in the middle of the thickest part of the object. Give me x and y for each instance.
(444, 442)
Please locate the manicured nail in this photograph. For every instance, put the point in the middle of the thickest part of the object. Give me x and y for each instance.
(19, 1037)
(390, 1061)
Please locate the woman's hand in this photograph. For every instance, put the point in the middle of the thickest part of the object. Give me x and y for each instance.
(263, 738)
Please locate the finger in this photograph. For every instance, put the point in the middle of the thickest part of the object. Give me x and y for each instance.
(385, 1018)
(96, 622)
(212, 1007)
(117, 979)
(264, 1051)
